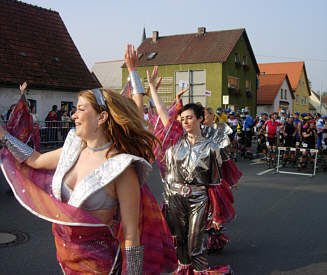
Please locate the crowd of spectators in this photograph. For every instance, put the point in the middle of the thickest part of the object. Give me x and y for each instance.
(270, 131)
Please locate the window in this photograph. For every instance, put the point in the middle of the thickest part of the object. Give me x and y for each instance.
(197, 83)
(165, 89)
(285, 94)
(244, 62)
(237, 58)
(248, 85)
(68, 105)
(281, 94)
(297, 99)
(233, 82)
(305, 100)
(151, 55)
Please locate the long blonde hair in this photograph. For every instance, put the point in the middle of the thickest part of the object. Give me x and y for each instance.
(125, 128)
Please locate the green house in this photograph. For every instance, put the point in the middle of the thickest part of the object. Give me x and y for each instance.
(217, 66)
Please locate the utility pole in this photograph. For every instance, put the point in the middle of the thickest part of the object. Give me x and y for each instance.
(320, 96)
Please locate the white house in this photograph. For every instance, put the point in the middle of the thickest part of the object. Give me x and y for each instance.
(315, 102)
(109, 73)
(274, 94)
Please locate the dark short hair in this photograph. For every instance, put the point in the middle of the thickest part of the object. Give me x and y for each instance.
(196, 108)
(54, 107)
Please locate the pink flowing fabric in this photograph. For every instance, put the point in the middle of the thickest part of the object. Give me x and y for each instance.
(230, 173)
(84, 244)
(127, 90)
(20, 123)
(168, 135)
(221, 202)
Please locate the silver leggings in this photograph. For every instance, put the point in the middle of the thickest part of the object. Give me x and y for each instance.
(187, 218)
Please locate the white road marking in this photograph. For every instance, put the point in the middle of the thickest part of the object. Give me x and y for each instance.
(266, 171)
(257, 161)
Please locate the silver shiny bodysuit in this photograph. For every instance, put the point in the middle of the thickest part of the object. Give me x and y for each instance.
(190, 170)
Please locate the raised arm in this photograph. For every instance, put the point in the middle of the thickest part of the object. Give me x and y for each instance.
(160, 106)
(23, 87)
(180, 93)
(137, 88)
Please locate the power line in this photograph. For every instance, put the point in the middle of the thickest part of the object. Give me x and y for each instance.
(296, 58)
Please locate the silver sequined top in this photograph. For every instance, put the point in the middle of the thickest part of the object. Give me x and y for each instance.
(97, 201)
(196, 164)
(200, 163)
(99, 177)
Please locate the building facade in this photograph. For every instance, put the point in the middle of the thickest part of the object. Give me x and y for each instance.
(212, 64)
(315, 102)
(275, 94)
(109, 74)
(298, 78)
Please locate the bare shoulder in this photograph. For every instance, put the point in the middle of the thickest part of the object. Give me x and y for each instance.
(129, 174)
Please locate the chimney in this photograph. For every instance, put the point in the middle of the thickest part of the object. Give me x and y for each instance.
(155, 36)
(201, 30)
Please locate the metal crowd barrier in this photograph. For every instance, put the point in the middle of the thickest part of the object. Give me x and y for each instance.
(53, 133)
(292, 149)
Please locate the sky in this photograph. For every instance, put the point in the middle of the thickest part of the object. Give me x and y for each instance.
(279, 30)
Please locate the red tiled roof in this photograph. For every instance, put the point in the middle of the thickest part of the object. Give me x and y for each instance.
(269, 87)
(324, 99)
(192, 48)
(36, 46)
(292, 69)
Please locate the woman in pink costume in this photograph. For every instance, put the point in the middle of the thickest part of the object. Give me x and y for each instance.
(93, 189)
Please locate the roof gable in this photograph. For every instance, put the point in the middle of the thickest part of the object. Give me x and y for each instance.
(192, 48)
(36, 46)
(269, 87)
(292, 69)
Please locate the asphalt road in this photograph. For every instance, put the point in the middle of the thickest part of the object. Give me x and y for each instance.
(280, 228)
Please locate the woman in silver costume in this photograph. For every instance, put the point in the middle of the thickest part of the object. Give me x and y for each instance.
(194, 190)
(192, 165)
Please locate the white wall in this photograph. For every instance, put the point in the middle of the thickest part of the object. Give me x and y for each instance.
(109, 73)
(44, 99)
(315, 101)
(289, 97)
